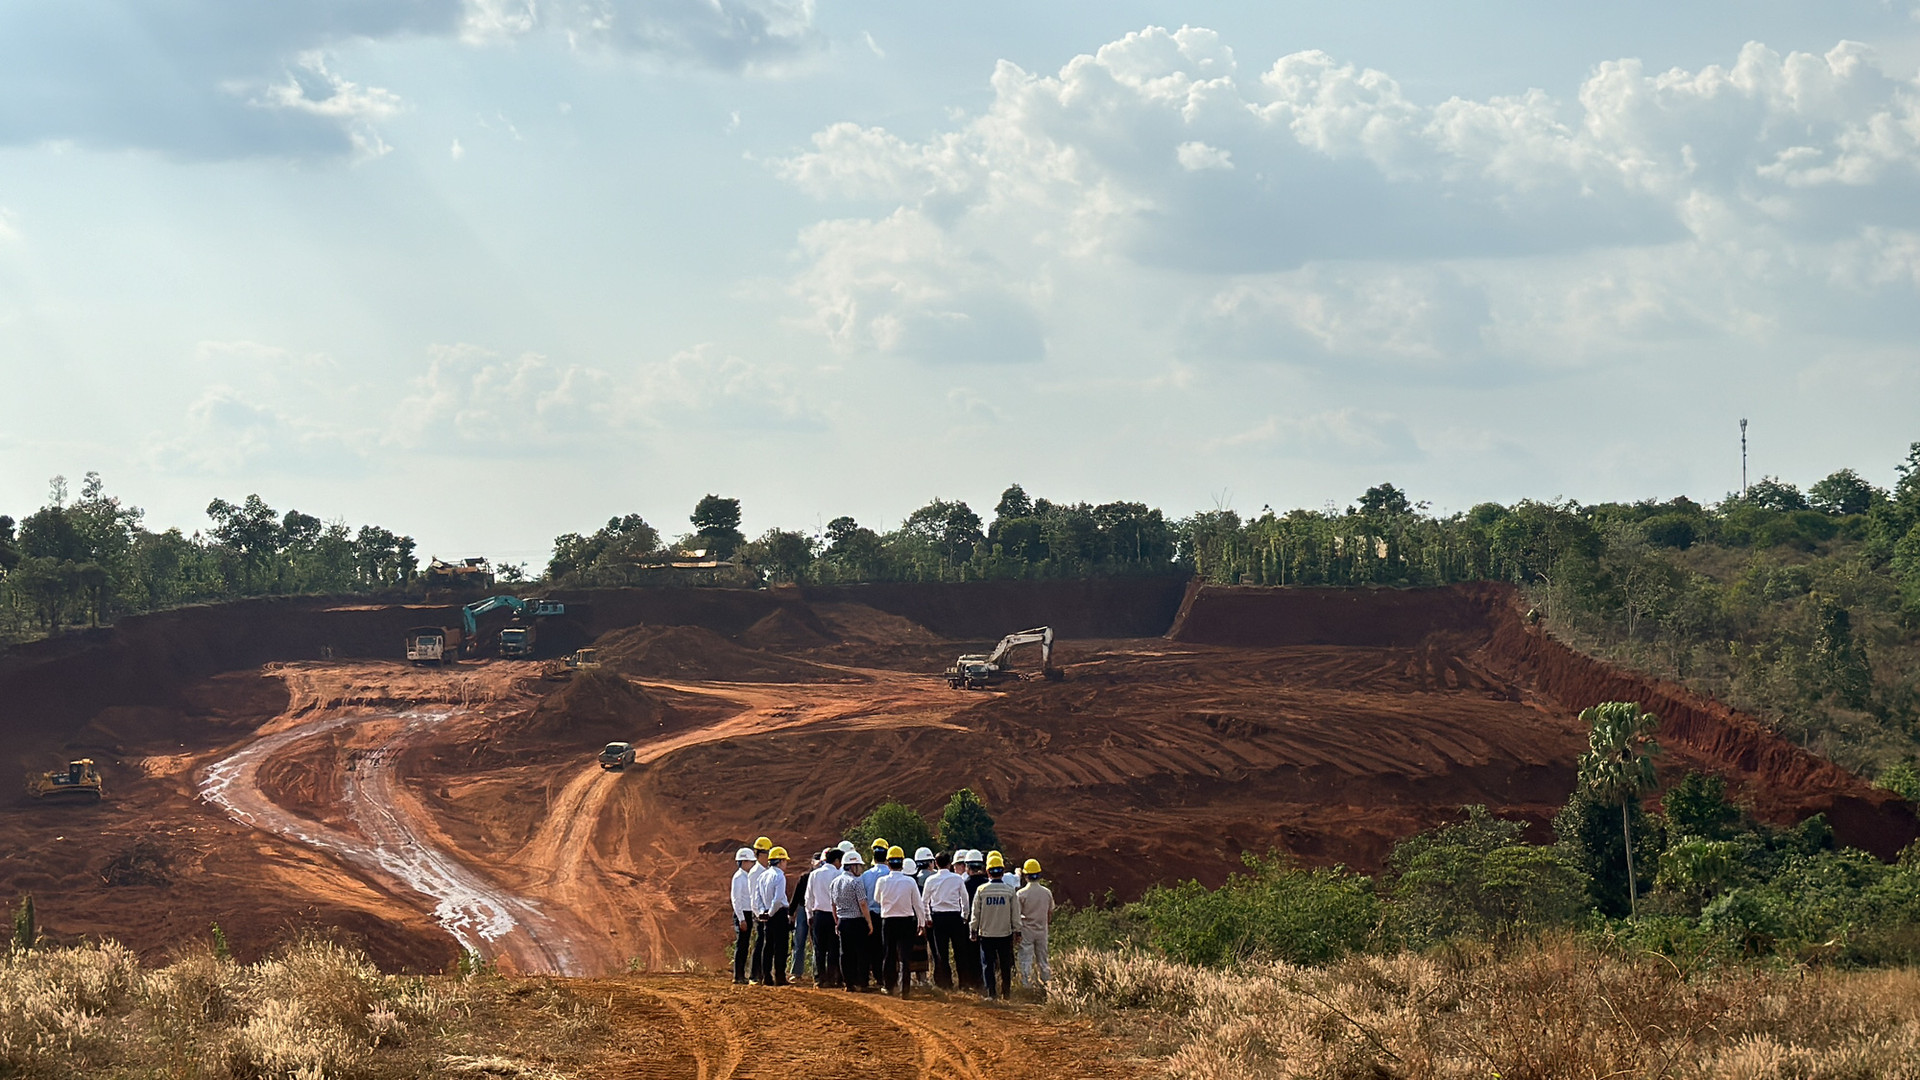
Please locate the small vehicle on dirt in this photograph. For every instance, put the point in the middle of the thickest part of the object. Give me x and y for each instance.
(617, 755)
(78, 782)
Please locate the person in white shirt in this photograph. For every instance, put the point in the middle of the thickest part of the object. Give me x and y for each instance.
(821, 921)
(756, 952)
(903, 917)
(1036, 912)
(743, 912)
(946, 899)
(876, 946)
(770, 910)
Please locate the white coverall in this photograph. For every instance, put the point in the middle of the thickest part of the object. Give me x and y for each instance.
(1036, 911)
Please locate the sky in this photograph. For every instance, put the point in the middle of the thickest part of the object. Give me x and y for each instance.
(488, 271)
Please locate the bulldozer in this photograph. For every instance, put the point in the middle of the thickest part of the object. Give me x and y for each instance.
(79, 782)
(977, 671)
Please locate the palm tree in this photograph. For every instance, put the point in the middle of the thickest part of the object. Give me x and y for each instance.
(1618, 766)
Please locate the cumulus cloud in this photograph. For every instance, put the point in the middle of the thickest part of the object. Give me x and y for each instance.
(1347, 435)
(226, 432)
(211, 79)
(472, 400)
(1312, 208)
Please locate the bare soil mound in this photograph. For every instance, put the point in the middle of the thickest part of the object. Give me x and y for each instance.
(698, 654)
(593, 706)
(860, 623)
(788, 628)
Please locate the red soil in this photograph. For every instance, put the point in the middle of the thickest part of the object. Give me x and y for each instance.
(1326, 723)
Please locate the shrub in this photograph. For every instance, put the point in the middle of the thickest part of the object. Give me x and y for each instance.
(899, 823)
(965, 823)
(1477, 879)
(1276, 911)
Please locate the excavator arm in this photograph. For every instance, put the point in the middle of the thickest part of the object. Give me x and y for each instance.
(470, 615)
(1042, 635)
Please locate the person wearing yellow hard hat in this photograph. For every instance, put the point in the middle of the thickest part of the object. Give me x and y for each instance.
(1036, 912)
(772, 912)
(756, 950)
(903, 917)
(995, 925)
(1012, 875)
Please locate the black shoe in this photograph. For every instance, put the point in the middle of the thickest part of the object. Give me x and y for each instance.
(739, 982)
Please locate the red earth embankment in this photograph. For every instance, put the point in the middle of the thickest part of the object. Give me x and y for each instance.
(1780, 780)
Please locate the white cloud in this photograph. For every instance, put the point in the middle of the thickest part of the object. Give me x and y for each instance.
(211, 79)
(1347, 434)
(1315, 209)
(1195, 156)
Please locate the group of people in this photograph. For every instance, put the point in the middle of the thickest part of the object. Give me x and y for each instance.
(876, 923)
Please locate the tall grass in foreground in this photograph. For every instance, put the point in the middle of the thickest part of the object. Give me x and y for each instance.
(313, 1009)
(1552, 1010)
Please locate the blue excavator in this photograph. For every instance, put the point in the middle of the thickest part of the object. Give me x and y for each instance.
(433, 644)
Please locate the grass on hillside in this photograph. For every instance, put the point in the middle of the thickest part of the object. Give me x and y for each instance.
(1552, 1009)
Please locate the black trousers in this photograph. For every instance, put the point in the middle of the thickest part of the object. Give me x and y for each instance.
(743, 948)
(949, 932)
(877, 950)
(770, 952)
(853, 952)
(996, 952)
(898, 933)
(826, 948)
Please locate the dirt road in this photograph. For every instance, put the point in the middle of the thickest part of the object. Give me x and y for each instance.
(699, 1026)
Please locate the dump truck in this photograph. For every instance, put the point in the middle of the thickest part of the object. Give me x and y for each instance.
(976, 671)
(466, 574)
(617, 755)
(435, 644)
(519, 639)
(78, 782)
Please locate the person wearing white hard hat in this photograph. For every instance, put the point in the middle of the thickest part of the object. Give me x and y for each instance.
(743, 912)
(1036, 912)
(820, 918)
(923, 866)
(802, 928)
(976, 876)
(946, 896)
(854, 923)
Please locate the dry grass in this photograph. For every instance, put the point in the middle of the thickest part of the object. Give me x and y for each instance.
(312, 1010)
(1556, 1010)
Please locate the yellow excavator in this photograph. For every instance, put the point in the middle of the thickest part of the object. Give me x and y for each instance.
(78, 782)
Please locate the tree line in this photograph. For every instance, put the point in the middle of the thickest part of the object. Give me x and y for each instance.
(89, 559)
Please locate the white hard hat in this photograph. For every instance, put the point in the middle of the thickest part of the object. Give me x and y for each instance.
(971, 855)
(853, 859)
(923, 854)
(745, 854)
(847, 845)
(907, 867)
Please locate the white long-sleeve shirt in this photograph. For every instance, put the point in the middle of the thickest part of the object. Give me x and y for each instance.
(770, 893)
(743, 892)
(947, 891)
(899, 897)
(820, 888)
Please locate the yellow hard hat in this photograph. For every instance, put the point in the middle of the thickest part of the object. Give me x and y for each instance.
(879, 843)
(995, 855)
(762, 844)
(776, 854)
(995, 861)
(1032, 867)
(895, 852)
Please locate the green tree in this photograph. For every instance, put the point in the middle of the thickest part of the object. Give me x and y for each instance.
(1618, 766)
(1844, 492)
(251, 531)
(965, 823)
(1480, 879)
(900, 824)
(716, 521)
(1384, 501)
(951, 529)
(785, 555)
(1698, 806)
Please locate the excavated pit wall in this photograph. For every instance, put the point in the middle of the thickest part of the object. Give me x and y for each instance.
(1782, 781)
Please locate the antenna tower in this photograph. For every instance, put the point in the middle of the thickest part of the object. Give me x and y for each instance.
(1743, 457)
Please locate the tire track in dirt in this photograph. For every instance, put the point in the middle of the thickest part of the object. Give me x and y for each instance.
(396, 846)
(706, 1028)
